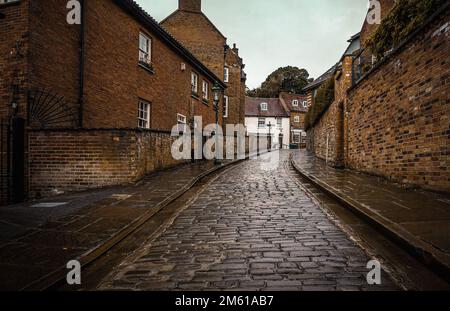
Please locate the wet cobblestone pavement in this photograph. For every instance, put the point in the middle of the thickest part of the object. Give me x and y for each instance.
(250, 229)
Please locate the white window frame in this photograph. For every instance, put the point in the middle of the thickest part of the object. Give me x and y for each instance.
(305, 104)
(295, 103)
(194, 83)
(182, 122)
(145, 52)
(226, 102)
(264, 106)
(260, 124)
(205, 90)
(143, 114)
(226, 77)
(298, 136)
(297, 119)
(280, 123)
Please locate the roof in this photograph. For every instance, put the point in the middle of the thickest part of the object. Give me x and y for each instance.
(191, 12)
(275, 108)
(316, 83)
(143, 17)
(288, 99)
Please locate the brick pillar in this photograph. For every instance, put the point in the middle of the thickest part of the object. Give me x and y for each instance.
(190, 5)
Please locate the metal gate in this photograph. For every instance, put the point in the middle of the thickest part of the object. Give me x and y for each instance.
(12, 157)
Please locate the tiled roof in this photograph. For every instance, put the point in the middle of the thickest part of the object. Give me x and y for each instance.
(316, 83)
(253, 107)
(290, 97)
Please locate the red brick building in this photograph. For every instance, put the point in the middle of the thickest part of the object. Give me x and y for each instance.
(196, 31)
(296, 105)
(99, 98)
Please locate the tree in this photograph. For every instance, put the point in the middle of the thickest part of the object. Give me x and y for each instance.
(285, 79)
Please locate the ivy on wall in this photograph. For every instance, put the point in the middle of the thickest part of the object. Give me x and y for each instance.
(324, 98)
(404, 18)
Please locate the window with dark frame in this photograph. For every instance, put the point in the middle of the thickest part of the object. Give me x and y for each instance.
(261, 122)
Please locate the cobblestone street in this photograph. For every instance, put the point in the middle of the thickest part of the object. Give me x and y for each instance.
(250, 229)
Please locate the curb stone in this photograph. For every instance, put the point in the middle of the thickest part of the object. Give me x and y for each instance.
(431, 257)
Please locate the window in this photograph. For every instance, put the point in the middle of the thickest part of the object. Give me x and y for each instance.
(295, 103)
(264, 106)
(305, 104)
(143, 115)
(261, 122)
(205, 90)
(225, 106)
(145, 45)
(279, 123)
(296, 138)
(8, 1)
(194, 83)
(226, 75)
(181, 121)
(297, 119)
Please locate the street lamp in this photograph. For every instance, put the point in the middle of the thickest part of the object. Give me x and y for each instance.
(216, 93)
(270, 135)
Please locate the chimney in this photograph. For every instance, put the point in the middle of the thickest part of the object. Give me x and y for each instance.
(190, 5)
(235, 49)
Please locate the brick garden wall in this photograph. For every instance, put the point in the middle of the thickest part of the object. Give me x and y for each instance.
(325, 138)
(399, 122)
(84, 159)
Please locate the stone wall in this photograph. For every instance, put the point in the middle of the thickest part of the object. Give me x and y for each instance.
(398, 115)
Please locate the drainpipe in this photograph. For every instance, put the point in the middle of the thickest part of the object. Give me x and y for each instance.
(82, 56)
(328, 146)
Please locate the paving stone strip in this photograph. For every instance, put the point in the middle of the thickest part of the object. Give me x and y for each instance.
(250, 229)
(419, 220)
(33, 255)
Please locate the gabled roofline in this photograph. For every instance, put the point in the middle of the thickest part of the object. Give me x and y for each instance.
(320, 80)
(192, 12)
(143, 17)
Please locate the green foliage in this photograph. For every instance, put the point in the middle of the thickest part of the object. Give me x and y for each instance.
(324, 98)
(285, 79)
(404, 18)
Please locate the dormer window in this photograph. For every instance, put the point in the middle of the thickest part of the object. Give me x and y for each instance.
(264, 107)
(295, 103)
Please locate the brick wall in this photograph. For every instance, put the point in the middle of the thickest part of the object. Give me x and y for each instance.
(398, 122)
(114, 82)
(200, 36)
(235, 93)
(83, 159)
(14, 47)
(325, 138)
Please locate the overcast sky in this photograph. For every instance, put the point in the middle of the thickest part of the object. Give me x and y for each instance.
(310, 34)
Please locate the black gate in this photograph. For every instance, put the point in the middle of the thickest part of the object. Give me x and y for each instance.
(12, 158)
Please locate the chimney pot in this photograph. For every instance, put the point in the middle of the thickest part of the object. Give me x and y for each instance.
(190, 5)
